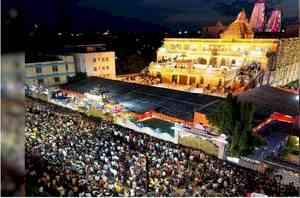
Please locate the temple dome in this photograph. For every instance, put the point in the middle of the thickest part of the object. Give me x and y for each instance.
(239, 29)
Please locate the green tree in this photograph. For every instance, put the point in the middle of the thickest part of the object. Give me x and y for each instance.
(293, 143)
(234, 143)
(141, 45)
(244, 145)
(234, 119)
(134, 63)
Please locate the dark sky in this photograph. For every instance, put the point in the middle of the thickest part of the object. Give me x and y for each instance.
(181, 11)
(93, 15)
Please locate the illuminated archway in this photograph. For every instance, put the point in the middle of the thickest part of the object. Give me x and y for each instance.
(202, 61)
(158, 75)
(233, 62)
(223, 62)
(213, 61)
(174, 78)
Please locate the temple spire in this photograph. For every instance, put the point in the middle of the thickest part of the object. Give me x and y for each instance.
(239, 29)
(242, 16)
(257, 19)
(274, 23)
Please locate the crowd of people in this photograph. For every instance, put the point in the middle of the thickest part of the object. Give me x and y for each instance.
(143, 79)
(70, 154)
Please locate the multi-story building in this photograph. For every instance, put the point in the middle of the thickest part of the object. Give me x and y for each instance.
(210, 61)
(101, 64)
(216, 61)
(49, 71)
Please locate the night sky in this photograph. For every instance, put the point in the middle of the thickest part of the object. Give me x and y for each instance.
(94, 15)
(181, 11)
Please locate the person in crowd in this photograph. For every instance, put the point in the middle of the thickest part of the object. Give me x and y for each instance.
(70, 154)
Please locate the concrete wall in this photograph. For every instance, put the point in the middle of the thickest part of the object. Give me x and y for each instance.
(287, 66)
(100, 64)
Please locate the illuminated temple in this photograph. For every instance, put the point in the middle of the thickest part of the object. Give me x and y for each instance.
(216, 62)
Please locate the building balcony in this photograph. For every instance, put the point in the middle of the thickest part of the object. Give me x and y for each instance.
(191, 71)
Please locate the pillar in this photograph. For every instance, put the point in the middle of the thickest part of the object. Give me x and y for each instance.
(221, 143)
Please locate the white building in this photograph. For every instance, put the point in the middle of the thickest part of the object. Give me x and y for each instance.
(49, 71)
(101, 64)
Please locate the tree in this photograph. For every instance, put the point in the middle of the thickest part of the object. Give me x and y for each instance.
(79, 77)
(143, 46)
(244, 145)
(234, 119)
(134, 63)
(234, 146)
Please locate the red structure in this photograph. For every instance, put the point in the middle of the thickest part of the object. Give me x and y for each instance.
(145, 115)
(257, 20)
(274, 23)
(275, 117)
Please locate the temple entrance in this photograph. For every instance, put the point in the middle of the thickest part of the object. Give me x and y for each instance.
(183, 80)
(223, 62)
(174, 78)
(158, 75)
(201, 61)
(192, 80)
(213, 61)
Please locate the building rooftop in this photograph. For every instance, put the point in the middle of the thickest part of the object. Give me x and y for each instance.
(42, 58)
(141, 98)
(270, 99)
(87, 48)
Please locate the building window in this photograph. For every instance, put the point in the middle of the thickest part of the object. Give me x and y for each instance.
(202, 61)
(40, 81)
(213, 61)
(106, 58)
(54, 68)
(158, 75)
(103, 68)
(107, 67)
(95, 60)
(99, 68)
(103, 59)
(223, 62)
(67, 67)
(174, 78)
(178, 46)
(56, 79)
(95, 68)
(38, 70)
(193, 47)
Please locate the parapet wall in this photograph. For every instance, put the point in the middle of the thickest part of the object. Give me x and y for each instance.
(287, 66)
